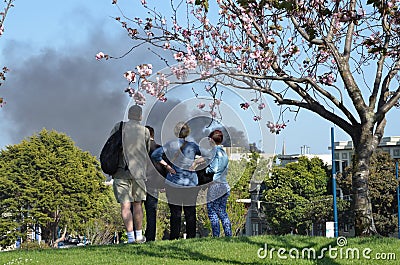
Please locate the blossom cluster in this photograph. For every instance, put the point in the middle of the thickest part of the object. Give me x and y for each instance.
(101, 55)
(215, 103)
(140, 75)
(155, 88)
(275, 127)
(327, 79)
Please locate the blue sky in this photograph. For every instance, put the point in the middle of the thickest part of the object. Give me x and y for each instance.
(55, 82)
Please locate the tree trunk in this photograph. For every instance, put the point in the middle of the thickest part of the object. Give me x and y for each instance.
(361, 204)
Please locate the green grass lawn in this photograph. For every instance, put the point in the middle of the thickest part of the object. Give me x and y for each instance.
(236, 250)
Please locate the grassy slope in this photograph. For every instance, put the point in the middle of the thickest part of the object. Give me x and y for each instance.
(237, 250)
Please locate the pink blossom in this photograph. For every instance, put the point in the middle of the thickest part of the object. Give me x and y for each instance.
(162, 99)
(167, 46)
(247, 20)
(189, 49)
(245, 105)
(1, 30)
(186, 33)
(148, 87)
(190, 1)
(145, 69)
(129, 90)
(217, 62)
(275, 128)
(162, 81)
(270, 125)
(130, 76)
(207, 57)
(180, 72)
(327, 79)
(261, 106)
(224, 36)
(201, 105)
(179, 56)
(139, 20)
(176, 26)
(205, 73)
(143, 2)
(361, 12)
(256, 118)
(255, 55)
(190, 62)
(139, 98)
(99, 56)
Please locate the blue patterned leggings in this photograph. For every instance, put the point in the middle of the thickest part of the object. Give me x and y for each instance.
(217, 197)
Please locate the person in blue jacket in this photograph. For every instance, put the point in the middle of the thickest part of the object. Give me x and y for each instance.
(181, 182)
(219, 190)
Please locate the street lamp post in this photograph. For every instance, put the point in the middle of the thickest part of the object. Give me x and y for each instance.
(398, 199)
(335, 215)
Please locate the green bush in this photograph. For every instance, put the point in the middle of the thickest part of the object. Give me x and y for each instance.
(28, 245)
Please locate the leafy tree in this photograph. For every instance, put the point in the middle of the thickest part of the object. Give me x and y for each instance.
(338, 59)
(47, 180)
(296, 196)
(239, 175)
(239, 180)
(382, 189)
(101, 230)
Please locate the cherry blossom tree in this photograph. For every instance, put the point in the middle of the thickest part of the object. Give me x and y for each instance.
(8, 4)
(338, 59)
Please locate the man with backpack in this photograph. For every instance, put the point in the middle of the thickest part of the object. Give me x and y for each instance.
(129, 180)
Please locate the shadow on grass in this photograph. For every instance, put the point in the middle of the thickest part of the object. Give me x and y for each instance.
(187, 250)
(182, 250)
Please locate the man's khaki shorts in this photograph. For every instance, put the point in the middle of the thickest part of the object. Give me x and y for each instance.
(129, 190)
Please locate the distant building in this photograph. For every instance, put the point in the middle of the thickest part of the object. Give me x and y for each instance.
(344, 151)
(255, 217)
(284, 159)
(239, 153)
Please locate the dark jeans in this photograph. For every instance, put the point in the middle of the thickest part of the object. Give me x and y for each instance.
(151, 214)
(179, 198)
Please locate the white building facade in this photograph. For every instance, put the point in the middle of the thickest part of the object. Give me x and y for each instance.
(344, 151)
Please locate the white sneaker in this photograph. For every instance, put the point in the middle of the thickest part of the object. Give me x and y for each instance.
(141, 241)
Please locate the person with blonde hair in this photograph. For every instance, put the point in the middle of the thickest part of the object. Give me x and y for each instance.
(181, 182)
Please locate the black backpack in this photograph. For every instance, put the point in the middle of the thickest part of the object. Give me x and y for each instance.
(109, 156)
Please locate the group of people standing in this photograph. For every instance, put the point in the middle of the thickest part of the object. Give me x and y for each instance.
(146, 168)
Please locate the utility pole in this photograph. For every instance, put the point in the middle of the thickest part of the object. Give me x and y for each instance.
(335, 216)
